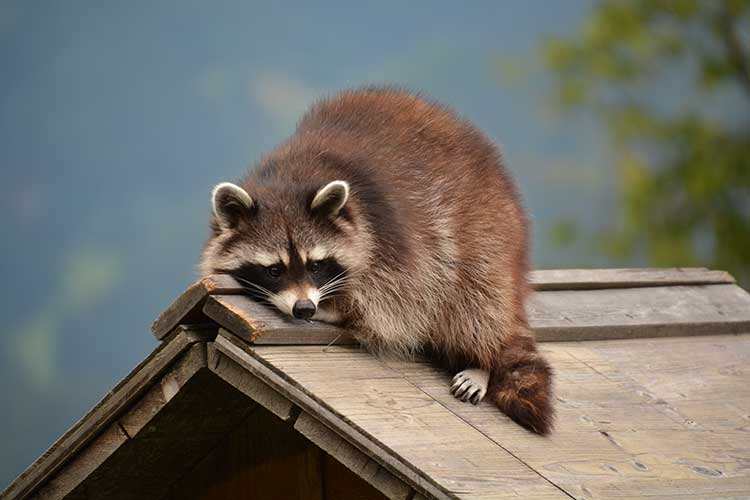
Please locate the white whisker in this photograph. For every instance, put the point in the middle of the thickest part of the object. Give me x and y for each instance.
(332, 290)
(263, 294)
(324, 298)
(332, 280)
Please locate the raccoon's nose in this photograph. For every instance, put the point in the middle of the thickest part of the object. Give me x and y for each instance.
(303, 309)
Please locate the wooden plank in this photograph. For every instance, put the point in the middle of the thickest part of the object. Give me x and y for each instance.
(595, 279)
(100, 417)
(258, 324)
(684, 489)
(553, 315)
(74, 472)
(639, 312)
(142, 412)
(188, 307)
(250, 385)
(352, 458)
(703, 378)
(389, 419)
(659, 418)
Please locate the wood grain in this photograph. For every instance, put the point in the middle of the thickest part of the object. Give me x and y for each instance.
(74, 472)
(188, 307)
(250, 385)
(661, 311)
(264, 326)
(388, 418)
(639, 312)
(657, 418)
(595, 279)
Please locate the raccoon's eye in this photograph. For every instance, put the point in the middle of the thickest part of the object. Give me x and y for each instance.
(274, 271)
(314, 266)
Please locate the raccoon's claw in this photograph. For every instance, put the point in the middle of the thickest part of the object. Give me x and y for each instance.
(470, 385)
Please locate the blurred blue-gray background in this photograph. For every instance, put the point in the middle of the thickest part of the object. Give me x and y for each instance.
(117, 118)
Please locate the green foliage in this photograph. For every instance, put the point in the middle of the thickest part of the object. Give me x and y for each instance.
(670, 80)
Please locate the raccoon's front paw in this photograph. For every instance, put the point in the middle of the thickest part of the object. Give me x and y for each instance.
(470, 385)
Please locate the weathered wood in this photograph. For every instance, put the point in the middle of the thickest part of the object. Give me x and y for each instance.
(553, 315)
(101, 416)
(188, 307)
(142, 412)
(639, 312)
(594, 279)
(661, 418)
(389, 419)
(258, 324)
(276, 329)
(352, 458)
(74, 472)
(250, 385)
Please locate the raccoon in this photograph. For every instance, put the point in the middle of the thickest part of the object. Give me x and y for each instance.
(389, 214)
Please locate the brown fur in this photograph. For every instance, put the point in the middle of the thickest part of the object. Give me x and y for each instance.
(434, 235)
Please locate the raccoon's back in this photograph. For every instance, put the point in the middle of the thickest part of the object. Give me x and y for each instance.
(438, 168)
(405, 134)
(452, 213)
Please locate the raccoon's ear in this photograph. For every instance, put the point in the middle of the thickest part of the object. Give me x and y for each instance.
(330, 198)
(230, 202)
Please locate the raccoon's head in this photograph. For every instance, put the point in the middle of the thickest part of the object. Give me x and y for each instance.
(292, 248)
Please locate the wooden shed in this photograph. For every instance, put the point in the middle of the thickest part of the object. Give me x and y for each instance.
(652, 388)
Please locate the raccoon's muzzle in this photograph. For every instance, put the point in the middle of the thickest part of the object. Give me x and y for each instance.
(304, 309)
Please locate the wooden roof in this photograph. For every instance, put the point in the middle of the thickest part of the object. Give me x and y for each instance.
(652, 399)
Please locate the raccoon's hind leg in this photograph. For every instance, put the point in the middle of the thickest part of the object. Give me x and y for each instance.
(470, 385)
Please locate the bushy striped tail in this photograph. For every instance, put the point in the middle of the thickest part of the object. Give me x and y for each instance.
(522, 388)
